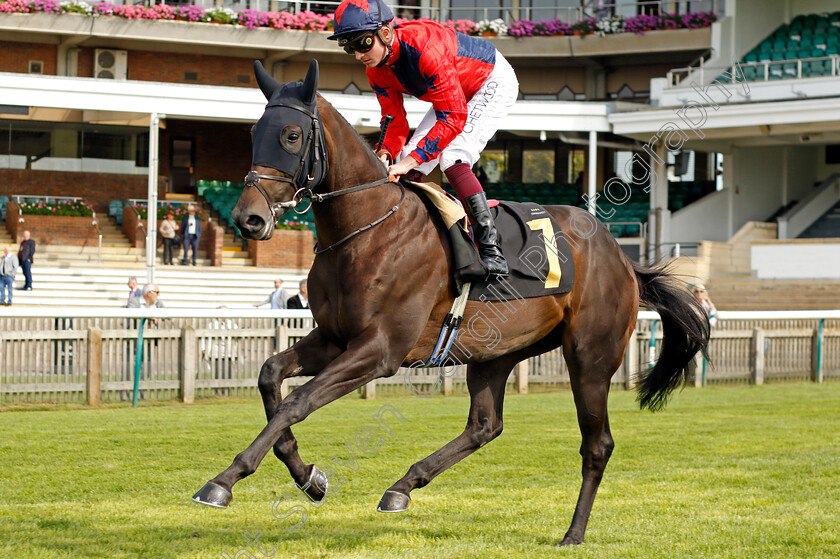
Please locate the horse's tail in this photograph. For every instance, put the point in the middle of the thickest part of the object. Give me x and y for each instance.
(685, 331)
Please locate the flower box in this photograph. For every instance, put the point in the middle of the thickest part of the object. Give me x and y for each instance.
(52, 229)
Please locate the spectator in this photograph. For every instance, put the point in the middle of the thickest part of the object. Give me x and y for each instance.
(168, 229)
(134, 291)
(480, 175)
(150, 299)
(26, 258)
(301, 300)
(8, 269)
(278, 297)
(579, 182)
(703, 297)
(190, 233)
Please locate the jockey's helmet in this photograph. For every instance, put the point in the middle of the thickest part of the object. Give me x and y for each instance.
(353, 16)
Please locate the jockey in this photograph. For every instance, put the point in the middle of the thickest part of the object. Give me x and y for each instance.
(468, 82)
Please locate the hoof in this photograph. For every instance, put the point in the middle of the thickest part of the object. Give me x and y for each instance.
(393, 502)
(569, 540)
(213, 495)
(316, 485)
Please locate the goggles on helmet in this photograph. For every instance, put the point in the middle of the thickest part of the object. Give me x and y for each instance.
(358, 43)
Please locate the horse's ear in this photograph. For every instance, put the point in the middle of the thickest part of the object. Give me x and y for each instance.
(268, 85)
(310, 84)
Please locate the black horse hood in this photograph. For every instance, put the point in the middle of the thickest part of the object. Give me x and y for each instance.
(293, 103)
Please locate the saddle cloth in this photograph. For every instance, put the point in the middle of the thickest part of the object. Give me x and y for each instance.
(538, 255)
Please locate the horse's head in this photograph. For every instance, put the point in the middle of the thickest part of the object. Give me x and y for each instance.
(289, 153)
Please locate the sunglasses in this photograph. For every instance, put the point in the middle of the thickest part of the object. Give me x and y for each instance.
(361, 43)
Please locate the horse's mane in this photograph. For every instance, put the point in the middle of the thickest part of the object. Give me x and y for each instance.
(362, 141)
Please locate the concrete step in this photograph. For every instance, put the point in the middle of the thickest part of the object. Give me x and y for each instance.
(181, 286)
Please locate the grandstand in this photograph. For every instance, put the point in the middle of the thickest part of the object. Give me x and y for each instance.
(709, 148)
(808, 47)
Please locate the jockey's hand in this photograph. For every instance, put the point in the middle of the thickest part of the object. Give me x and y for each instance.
(384, 157)
(400, 168)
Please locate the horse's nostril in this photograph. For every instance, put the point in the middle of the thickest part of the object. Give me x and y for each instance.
(254, 222)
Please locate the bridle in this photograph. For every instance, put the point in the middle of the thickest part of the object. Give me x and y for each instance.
(314, 152)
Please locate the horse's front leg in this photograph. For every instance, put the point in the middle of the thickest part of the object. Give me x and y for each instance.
(368, 357)
(305, 358)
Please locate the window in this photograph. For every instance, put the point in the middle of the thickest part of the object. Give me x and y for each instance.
(577, 164)
(538, 165)
(681, 166)
(494, 163)
(50, 146)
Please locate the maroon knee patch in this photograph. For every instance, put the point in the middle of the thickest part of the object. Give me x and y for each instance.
(463, 180)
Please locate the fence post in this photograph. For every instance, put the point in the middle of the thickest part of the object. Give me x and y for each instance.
(523, 369)
(369, 390)
(758, 356)
(188, 351)
(697, 366)
(281, 337)
(816, 354)
(447, 384)
(631, 360)
(94, 366)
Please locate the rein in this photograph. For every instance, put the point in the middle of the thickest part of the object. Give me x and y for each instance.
(253, 179)
(313, 153)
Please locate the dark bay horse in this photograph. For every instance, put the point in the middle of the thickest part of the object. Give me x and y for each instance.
(380, 294)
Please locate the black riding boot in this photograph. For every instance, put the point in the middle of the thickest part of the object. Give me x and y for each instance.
(485, 230)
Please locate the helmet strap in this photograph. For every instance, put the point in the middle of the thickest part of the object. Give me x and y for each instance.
(387, 38)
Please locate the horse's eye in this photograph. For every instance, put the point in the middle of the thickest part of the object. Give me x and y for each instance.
(291, 138)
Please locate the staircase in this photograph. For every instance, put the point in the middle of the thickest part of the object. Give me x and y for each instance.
(743, 293)
(827, 226)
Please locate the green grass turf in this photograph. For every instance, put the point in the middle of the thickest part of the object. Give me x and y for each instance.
(744, 472)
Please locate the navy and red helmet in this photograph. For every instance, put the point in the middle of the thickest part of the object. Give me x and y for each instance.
(353, 16)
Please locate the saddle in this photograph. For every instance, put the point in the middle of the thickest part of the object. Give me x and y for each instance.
(535, 248)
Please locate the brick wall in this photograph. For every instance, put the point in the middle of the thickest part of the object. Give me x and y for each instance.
(15, 57)
(222, 150)
(97, 188)
(52, 229)
(207, 70)
(142, 65)
(215, 243)
(131, 228)
(285, 249)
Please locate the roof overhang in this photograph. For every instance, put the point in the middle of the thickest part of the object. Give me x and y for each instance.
(781, 122)
(135, 100)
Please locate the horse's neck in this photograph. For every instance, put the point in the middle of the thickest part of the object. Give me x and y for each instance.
(351, 163)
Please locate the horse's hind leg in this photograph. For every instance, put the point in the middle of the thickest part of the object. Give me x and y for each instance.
(486, 383)
(592, 358)
(307, 357)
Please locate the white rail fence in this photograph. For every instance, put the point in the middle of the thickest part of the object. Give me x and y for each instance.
(88, 355)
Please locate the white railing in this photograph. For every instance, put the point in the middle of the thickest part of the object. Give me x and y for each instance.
(768, 70)
(89, 355)
(810, 208)
(29, 199)
(569, 14)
